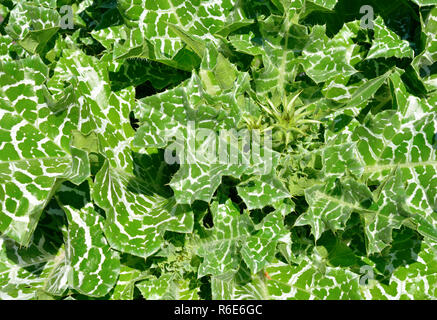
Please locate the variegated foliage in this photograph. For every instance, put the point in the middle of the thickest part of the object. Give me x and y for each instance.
(113, 183)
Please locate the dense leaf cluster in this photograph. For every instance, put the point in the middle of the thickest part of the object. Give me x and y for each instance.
(341, 205)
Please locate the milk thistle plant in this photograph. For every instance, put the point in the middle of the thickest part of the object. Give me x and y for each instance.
(331, 195)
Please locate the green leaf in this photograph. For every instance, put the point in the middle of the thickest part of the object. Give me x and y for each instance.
(367, 90)
(167, 287)
(200, 20)
(36, 152)
(25, 273)
(122, 186)
(423, 62)
(198, 125)
(218, 149)
(136, 217)
(131, 272)
(389, 213)
(217, 73)
(235, 20)
(387, 43)
(258, 194)
(340, 160)
(32, 25)
(235, 288)
(246, 43)
(235, 237)
(259, 248)
(385, 144)
(412, 281)
(338, 89)
(220, 250)
(306, 282)
(93, 265)
(331, 205)
(282, 40)
(297, 282)
(325, 58)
